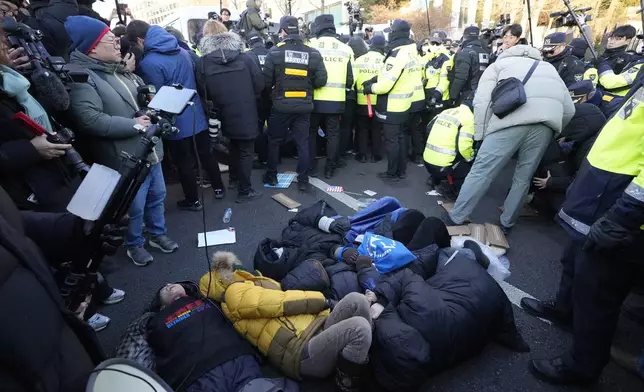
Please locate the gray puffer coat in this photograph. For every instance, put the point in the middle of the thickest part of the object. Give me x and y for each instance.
(103, 111)
(548, 103)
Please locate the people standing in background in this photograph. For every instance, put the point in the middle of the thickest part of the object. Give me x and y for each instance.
(368, 35)
(367, 128)
(233, 82)
(330, 99)
(347, 121)
(225, 18)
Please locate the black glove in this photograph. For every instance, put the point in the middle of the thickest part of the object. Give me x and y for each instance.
(349, 256)
(340, 226)
(366, 85)
(436, 96)
(363, 262)
(606, 234)
(112, 236)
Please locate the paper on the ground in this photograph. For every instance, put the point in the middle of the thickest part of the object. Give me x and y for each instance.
(433, 192)
(370, 193)
(335, 189)
(293, 210)
(218, 237)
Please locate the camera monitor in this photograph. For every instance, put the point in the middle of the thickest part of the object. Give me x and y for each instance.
(172, 99)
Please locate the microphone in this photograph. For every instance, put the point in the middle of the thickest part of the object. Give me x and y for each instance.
(558, 13)
(50, 90)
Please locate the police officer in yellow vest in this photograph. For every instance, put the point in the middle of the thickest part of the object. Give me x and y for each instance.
(329, 100)
(395, 89)
(365, 68)
(604, 214)
(449, 150)
(414, 127)
(437, 69)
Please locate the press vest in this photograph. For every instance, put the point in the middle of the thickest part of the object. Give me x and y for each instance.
(366, 67)
(336, 57)
(451, 137)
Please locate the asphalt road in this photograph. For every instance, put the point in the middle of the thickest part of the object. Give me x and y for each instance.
(535, 248)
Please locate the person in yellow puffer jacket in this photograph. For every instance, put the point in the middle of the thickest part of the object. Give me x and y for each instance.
(294, 329)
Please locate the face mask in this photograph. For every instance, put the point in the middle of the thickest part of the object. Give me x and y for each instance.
(425, 48)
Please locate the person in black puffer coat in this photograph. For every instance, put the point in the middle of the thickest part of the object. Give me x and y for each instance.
(425, 324)
(564, 157)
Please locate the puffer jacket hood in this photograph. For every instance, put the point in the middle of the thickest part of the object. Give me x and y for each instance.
(548, 99)
(252, 4)
(521, 51)
(228, 46)
(160, 41)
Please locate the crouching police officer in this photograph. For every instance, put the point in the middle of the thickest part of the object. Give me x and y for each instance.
(293, 70)
(604, 214)
(449, 148)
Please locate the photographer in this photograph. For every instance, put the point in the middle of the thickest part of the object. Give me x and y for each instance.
(104, 109)
(47, 16)
(45, 346)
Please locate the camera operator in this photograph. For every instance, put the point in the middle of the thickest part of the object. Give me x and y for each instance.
(105, 110)
(253, 21)
(559, 54)
(45, 346)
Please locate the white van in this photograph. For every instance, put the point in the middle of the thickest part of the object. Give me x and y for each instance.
(189, 21)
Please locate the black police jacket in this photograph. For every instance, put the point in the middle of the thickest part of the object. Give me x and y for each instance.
(570, 68)
(258, 53)
(618, 58)
(293, 70)
(469, 65)
(44, 346)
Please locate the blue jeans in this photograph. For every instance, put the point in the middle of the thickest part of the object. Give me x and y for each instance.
(148, 204)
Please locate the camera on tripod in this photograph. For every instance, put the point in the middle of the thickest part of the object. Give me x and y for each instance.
(567, 19)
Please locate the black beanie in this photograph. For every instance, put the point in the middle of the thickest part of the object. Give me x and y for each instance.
(399, 29)
(323, 22)
(579, 47)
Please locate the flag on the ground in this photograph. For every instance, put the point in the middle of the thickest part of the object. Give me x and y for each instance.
(335, 189)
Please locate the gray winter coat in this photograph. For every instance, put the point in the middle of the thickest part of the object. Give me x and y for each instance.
(548, 101)
(103, 111)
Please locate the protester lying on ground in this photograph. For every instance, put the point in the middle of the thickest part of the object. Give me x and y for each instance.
(527, 130)
(449, 150)
(293, 328)
(430, 317)
(186, 339)
(564, 156)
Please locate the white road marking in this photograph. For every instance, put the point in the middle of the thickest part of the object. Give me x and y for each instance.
(514, 294)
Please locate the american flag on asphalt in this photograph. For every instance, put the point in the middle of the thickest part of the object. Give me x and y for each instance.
(335, 189)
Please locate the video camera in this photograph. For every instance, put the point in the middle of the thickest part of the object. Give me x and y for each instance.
(567, 19)
(104, 196)
(19, 35)
(355, 16)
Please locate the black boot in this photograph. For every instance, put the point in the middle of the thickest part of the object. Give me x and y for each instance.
(270, 179)
(351, 376)
(328, 172)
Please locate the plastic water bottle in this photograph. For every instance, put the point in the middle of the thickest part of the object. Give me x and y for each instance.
(227, 215)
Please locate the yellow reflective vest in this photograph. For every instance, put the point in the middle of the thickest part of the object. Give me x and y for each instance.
(337, 59)
(451, 135)
(592, 75)
(394, 87)
(366, 67)
(618, 84)
(415, 69)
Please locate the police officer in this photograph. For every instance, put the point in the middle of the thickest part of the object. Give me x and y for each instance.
(615, 54)
(440, 63)
(395, 89)
(365, 68)
(293, 70)
(618, 69)
(256, 48)
(329, 99)
(469, 63)
(414, 127)
(556, 52)
(449, 148)
(578, 48)
(604, 214)
(257, 51)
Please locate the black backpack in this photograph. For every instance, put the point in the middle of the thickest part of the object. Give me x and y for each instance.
(242, 26)
(509, 94)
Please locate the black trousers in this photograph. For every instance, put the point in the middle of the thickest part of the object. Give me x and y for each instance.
(279, 125)
(368, 128)
(415, 129)
(183, 153)
(571, 253)
(458, 173)
(396, 147)
(346, 126)
(241, 163)
(331, 125)
(600, 284)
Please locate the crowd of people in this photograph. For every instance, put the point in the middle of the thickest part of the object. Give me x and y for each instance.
(322, 301)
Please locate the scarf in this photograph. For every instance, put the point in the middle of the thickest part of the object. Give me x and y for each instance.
(17, 86)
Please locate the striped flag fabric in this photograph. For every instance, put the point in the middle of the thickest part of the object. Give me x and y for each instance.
(335, 189)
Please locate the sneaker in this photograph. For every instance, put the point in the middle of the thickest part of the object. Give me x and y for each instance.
(98, 322)
(189, 205)
(205, 184)
(163, 243)
(270, 179)
(250, 196)
(139, 256)
(220, 193)
(233, 184)
(116, 297)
